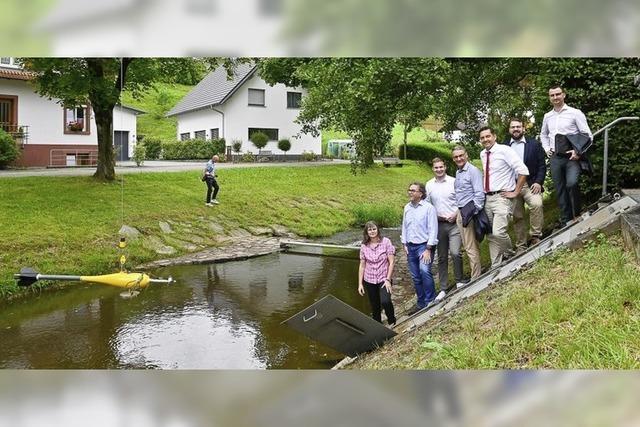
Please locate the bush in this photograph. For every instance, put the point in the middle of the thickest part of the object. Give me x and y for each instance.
(139, 153)
(284, 145)
(427, 152)
(308, 156)
(153, 148)
(8, 149)
(259, 139)
(191, 149)
(384, 216)
(219, 146)
(248, 157)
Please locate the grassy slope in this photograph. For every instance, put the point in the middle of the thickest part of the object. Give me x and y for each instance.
(70, 225)
(583, 313)
(156, 103)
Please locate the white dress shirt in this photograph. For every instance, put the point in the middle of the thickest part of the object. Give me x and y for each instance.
(504, 168)
(564, 122)
(518, 147)
(442, 195)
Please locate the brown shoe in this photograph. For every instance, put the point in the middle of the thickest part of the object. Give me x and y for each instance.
(534, 241)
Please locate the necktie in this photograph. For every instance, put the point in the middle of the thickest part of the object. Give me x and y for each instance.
(486, 174)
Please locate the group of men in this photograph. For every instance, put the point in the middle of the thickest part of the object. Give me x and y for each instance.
(448, 213)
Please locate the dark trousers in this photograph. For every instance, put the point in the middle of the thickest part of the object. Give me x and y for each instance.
(565, 174)
(212, 184)
(379, 298)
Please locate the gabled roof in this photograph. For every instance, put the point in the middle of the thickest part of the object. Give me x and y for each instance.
(214, 89)
(133, 110)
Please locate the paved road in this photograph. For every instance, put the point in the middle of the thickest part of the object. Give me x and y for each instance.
(157, 166)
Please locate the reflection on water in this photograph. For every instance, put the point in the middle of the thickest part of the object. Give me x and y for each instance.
(216, 316)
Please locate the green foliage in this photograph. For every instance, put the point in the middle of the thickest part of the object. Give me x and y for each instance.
(308, 156)
(383, 215)
(236, 146)
(8, 149)
(155, 124)
(603, 89)
(363, 97)
(248, 157)
(427, 152)
(139, 154)
(259, 139)
(153, 148)
(219, 146)
(190, 149)
(284, 145)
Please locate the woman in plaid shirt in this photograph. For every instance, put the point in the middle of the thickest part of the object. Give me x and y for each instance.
(377, 256)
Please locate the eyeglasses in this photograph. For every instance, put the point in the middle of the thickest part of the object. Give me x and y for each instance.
(414, 191)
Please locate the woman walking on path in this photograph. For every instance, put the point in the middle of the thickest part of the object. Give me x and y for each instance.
(377, 257)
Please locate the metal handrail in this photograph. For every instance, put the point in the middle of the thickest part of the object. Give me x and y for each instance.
(605, 161)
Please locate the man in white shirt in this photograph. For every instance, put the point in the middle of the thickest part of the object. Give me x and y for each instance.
(441, 194)
(565, 166)
(504, 175)
(532, 154)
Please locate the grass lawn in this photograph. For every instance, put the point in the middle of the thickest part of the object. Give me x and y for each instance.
(156, 103)
(574, 310)
(69, 225)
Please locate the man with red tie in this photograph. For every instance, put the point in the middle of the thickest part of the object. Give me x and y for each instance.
(504, 175)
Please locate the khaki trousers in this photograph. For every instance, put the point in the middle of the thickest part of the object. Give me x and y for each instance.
(471, 246)
(499, 209)
(536, 217)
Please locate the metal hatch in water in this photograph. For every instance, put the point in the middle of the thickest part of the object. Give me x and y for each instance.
(339, 326)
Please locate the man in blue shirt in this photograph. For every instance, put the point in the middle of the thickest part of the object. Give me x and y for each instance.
(419, 238)
(468, 187)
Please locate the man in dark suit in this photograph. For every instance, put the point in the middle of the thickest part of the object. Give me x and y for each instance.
(533, 156)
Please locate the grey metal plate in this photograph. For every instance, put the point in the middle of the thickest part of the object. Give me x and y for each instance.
(339, 326)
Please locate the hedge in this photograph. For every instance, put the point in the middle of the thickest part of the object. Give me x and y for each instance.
(192, 149)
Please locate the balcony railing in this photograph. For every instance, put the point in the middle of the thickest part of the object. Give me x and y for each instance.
(19, 132)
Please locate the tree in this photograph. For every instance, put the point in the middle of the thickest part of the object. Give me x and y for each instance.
(98, 82)
(363, 97)
(259, 139)
(284, 145)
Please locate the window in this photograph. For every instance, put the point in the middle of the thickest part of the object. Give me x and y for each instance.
(256, 97)
(293, 99)
(271, 133)
(7, 61)
(215, 133)
(201, 134)
(76, 120)
(185, 136)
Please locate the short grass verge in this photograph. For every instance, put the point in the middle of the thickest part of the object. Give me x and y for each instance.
(574, 310)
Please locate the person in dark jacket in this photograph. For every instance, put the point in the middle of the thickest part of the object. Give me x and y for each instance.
(532, 154)
(565, 159)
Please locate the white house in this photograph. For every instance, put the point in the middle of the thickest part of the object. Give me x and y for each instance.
(234, 109)
(164, 28)
(48, 133)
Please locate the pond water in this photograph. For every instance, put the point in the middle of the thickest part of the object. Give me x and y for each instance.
(216, 316)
